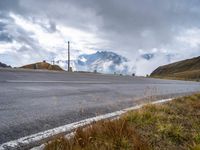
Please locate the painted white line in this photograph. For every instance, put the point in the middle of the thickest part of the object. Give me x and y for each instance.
(37, 138)
(76, 82)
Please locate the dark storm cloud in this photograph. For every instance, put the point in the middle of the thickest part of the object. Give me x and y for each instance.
(147, 23)
(139, 24)
(5, 37)
(10, 5)
(126, 25)
(118, 16)
(2, 25)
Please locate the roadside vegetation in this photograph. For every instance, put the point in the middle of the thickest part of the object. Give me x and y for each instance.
(183, 70)
(187, 76)
(174, 125)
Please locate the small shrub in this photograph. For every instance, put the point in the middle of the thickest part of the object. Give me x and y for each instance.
(197, 138)
(173, 132)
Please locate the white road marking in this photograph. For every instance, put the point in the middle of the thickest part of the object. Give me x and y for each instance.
(76, 82)
(36, 138)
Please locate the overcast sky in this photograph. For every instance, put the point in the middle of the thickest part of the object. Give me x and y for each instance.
(33, 30)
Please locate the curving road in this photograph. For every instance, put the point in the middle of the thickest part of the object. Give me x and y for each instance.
(33, 101)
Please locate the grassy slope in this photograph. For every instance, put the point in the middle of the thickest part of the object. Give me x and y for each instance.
(42, 65)
(187, 69)
(171, 126)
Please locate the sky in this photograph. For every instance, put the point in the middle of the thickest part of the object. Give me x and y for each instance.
(35, 30)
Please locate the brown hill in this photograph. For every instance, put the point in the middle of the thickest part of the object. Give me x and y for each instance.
(43, 66)
(187, 69)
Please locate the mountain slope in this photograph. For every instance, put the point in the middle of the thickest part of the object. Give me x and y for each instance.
(186, 69)
(42, 65)
(107, 62)
(101, 61)
(2, 65)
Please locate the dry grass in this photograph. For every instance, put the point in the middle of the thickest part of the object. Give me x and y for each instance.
(193, 75)
(104, 135)
(170, 126)
(42, 65)
(183, 70)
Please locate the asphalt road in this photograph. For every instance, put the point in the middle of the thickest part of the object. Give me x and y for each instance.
(34, 101)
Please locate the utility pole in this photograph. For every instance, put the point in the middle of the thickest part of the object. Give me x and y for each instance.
(69, 69)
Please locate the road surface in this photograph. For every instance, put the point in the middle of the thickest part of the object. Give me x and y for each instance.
(34, 101)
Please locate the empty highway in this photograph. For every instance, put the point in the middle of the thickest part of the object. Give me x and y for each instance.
(34, 101)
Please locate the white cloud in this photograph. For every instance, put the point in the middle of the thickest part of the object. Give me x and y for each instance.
(41, 29)
(190, 37)
(49, 41)
(144, 67)
(53, 42)
(9, 47)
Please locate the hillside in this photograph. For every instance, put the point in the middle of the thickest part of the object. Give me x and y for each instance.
(42, 65)
(2, 65)
(187, 69)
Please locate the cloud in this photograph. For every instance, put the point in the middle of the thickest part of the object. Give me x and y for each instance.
(41, 28)
(190, 37)
(41, 39)
(19, 45)
(4, 37)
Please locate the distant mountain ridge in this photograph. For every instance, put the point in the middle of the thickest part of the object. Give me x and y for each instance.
(147, 56)
(185, 69)
(2, 65)
(101, 61)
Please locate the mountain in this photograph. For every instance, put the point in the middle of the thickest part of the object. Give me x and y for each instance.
(147, 56)
(42, 65)
(2, 65)
(185, 69)
(101, 61)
